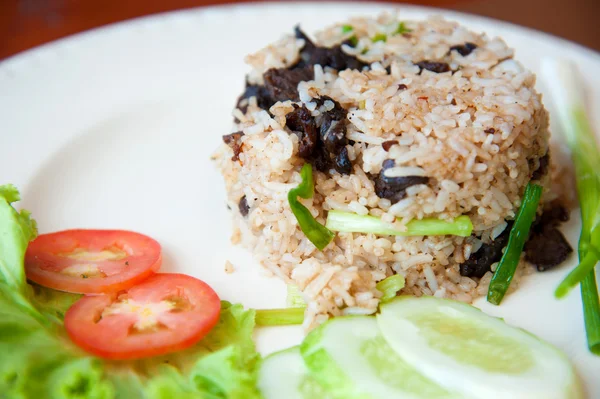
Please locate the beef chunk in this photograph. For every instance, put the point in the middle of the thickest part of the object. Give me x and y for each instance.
(547, 247)
(333, 57)
(388, 144)
(437, 67)
(464, 49)
(282, 84)
(394, 188)
(233, 141)
(542, 168)
(322, 139)
(243, 206)
(481, 261)
(263, 97)
(301, 122)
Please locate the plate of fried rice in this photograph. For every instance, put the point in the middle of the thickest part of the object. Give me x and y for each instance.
(195, 126)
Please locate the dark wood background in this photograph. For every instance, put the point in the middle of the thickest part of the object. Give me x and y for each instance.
(27, 23)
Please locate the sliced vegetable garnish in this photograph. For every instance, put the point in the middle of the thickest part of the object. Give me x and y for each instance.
(350, 358)
(279, 317)
(516, 241)
(402, 29)
(452, 343)
(165, 313)
(16, 230)
(294, 297)
(347, 28)
(390, 286)
(92, 261)
(284, 375)
(314, 231)
(353, 223)
(567, 93)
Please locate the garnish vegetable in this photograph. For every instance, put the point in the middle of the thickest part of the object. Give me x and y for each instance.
(516, 241)
(279, 317)
(567, 93)
(318, 234)
(354, 223)
(390, 286)
(92, 261)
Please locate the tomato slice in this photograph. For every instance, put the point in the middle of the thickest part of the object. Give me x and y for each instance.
(165, 313)
(91, 261)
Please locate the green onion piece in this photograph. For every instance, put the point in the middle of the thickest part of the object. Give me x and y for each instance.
(362, 104)
(380, 37)
(568, 95)
(516, 240)
(314, 231)
(347, 28)
(353, 223)
(591, 312)
(353, 41)
(390, 286)
(279, 317)
(402, 29)
(294, 297)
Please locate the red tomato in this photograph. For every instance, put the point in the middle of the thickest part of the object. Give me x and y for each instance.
(92, 261)
(165, 313)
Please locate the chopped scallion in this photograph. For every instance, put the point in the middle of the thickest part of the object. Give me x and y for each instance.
(380, 37)
(318, 234)
(353, 223)
(390, 286)
(279, 317)
(402, 29)
(347, 28)
(516, 240)
(567, 94)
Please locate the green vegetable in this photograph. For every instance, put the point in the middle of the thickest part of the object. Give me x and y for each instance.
(402, 29)
(38, 360)
(347, 28)
(294, 297)
(390, 286)
(353, 223)
(380, 37)
(16, 230)
(516, 240)
(314, 231)
(568, 94)
(279, 317)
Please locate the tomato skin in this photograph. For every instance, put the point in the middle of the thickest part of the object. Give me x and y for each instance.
(111, 337)
(45, 260)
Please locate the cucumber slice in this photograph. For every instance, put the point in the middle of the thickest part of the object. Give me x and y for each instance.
(480, 356)
(284, 375)
(351, 360)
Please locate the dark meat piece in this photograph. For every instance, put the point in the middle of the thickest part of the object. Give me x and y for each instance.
(332, 132)
(481, 261)
(243, 206)
(333, 57)
(233, 141)
(547, 247)
(342, 163)
(437, 67)
(388, 144)
(394, 188)
(282, 84)
(337, 113)
(263, 97)
(542, 168)
(301, 122)
(490, 130)
(464, 49)
(402, 86)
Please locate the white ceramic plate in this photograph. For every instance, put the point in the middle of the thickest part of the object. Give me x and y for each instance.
(114, 129)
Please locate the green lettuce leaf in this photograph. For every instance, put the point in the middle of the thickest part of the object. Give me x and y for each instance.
(16, 230)
(38, 360)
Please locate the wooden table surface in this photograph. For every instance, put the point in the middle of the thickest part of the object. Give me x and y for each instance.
(27, 23)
